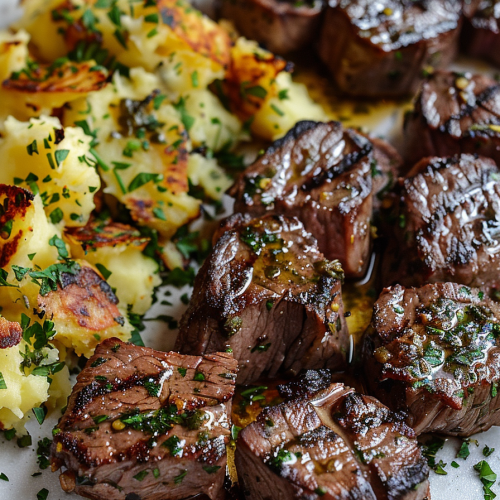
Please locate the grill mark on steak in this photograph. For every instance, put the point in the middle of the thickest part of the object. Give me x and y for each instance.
(267, 293)
(332, 442)
(140, 419)
(434, 352)
(454, 113)
(321, 174)
(445, 224)
(384, 46)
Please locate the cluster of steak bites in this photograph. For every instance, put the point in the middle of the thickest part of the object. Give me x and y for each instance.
(267, 304)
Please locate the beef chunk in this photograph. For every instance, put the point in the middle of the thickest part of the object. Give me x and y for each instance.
(282, 26)
(267, 293)
(454, 113)
(434, 352)
(381, 48)
(334, 444)
(321, 174)
(447, 224)
(146, 423)
(481, 31)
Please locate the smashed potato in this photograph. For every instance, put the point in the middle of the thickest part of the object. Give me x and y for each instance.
(259, 89)
(142, 151)
(167, 32)
(39, 89)
(51, 161)
(282, 111)
(13, 52)
(84, 310)
(116, 250)
(19, 393)
(24, 242)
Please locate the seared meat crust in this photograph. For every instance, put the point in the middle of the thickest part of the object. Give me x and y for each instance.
(434, 353)
(334, 444)
(282, 26)
(454, 113)
(446, 224)
(381, 48)
(146, 423)
(321, 174)
(270, 296)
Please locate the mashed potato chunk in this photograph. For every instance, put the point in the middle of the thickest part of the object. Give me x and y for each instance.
(51, 161)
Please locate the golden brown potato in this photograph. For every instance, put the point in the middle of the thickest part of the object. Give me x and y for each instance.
(16, 203)
(142, 150)
(139, 34)
(11, 333)
(68, 77)
(116, 250)
(205, 38)
(84, 310)
(251, 77)
(99, 234)
(39, 89)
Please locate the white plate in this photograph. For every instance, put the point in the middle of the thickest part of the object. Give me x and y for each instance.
(19, 464)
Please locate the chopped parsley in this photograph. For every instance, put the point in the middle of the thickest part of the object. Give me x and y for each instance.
(43, 453)
(487, 477)
(173, 445)
(42, 494)
(211, 469)
(141, 475)
(40, 413)
(178, 479)
(464, 451)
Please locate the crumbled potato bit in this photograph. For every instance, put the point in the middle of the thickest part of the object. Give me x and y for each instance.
(52, 161)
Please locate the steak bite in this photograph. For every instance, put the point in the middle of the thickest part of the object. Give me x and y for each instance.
(376, 49)
(282, 26)
(434, 352)
(334, 444)
(481, 31)
(454, 113)
(143, 424)
(268, 294)
(321, 174)
(447, 224)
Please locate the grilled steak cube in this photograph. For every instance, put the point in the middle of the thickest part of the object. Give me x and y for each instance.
(281, 25)
(481, 31)
(267, 293)
(334, 444)
(143, 424)
(448, 224)
(321, 174)
(454, 113)
(434, 352)
(381, 48)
